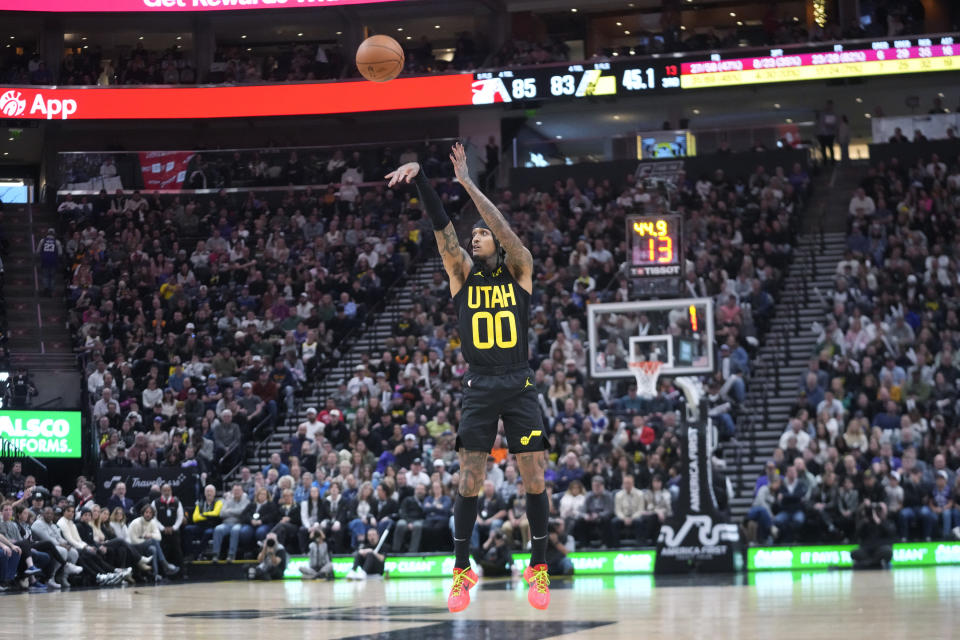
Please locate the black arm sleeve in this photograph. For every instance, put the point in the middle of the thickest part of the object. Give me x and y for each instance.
(431, 202)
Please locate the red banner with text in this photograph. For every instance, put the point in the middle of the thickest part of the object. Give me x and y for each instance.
(160, 103)
(167, 6)
(164, 169)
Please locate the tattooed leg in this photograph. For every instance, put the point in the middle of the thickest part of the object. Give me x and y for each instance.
(532, 466)
(472, 472)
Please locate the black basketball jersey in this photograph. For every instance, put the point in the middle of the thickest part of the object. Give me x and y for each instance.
(493, 314)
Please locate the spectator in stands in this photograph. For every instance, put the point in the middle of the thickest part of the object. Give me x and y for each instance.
(95, 567)
(45, 529)
(39, 560)
(119, 499)
(288, 526)
(262, 513)
(410, 520)
(791, 505)
(146, 535)
(387, 508)
(861, 205)
(597, 512)
(226, 439)
(204, 520)
(759, 521)
(115, 552)
(9, 560)
(628, 506)
(234, 524)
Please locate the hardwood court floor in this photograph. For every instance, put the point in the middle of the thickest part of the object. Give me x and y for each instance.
(842, 605)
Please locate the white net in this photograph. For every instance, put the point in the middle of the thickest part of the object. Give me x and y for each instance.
(646, 372)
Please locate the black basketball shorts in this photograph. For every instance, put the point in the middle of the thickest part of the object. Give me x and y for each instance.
(510, 396)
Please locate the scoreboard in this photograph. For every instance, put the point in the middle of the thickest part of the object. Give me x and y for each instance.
(589, 79)
(669, 72)
(654, 246)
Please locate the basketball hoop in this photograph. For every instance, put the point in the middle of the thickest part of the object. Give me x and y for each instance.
(646, 372)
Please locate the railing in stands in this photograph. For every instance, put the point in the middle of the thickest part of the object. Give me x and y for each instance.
(373, 313)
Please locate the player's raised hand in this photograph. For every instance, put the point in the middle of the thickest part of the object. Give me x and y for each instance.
(458, 156)
(404, 174)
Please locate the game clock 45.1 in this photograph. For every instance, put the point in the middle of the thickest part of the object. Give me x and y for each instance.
(574, 81)
(654, 245)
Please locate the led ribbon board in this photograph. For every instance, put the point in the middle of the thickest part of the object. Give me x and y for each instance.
(116, 103)
(905, 554)
(168, 6)
(881, 60)
(441, 566)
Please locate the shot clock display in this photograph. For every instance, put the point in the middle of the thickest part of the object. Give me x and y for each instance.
(654, 245)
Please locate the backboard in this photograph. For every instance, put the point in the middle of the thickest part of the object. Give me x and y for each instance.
(677, 332)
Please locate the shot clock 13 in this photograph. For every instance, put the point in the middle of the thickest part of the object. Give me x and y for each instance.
(654, 245)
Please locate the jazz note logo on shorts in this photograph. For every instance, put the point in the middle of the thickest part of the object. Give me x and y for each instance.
(525, 440)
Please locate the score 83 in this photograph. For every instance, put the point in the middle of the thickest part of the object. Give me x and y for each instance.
(659, 242)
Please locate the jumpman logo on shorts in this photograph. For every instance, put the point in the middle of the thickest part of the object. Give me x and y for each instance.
(527, 383)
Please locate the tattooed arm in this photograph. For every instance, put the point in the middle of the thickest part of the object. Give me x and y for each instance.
(519, 260)
(456, 261)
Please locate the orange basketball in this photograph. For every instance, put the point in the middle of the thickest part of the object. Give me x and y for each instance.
(380, 58)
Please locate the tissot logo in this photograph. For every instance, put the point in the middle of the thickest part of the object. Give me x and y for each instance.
(12, 103)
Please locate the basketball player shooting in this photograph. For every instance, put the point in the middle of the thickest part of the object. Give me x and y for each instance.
(491, 292)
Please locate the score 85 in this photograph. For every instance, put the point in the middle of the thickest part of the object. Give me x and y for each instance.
(522, 88)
